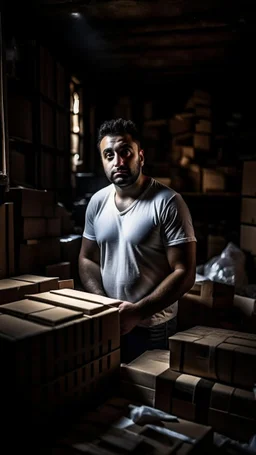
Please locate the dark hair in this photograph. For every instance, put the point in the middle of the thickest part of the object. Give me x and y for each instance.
(116, 127)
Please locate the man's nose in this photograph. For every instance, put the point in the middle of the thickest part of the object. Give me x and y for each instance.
(118, 160)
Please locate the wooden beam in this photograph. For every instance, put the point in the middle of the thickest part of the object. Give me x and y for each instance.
(165, 54)
(173, 40)
(131, 9)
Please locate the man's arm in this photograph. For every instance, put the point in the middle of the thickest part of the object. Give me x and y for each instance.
(89, 268)
(182, 261)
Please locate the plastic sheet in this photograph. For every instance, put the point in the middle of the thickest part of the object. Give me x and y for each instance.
(228, 268)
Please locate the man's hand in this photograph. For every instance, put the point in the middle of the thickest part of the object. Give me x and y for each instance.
(129, 317)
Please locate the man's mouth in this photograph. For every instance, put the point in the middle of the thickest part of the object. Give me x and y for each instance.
(121, 172)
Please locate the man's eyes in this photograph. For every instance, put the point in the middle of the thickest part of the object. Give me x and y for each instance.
(123, 153)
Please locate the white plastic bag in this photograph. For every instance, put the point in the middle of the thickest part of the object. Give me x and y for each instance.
(228, 268)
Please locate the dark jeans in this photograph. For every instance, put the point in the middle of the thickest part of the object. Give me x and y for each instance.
(142, 339)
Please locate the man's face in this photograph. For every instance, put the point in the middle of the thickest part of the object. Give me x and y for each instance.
(122, 159)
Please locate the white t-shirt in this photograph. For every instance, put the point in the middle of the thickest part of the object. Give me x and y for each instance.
(132, 243)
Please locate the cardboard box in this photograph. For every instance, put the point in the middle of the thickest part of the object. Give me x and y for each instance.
(54, 316)
(40, 312)
(74, 340)
(188, 152)
(167, 438)
(194, 175)
(246, 305)
(88, 297)
(194, 310)
(246, 308)
(201, 400)
(7, 264)
(138, 394)
(62, 270)
(22, 344)
(100, 331)
(34, 255)
(201, 435)
(22, 308)
(213, 181)
(30, 228)
(88, 308)
(248, 210)
(201, 111)
(53, 227)
(213, 294)
(232, 412)
(204, 126)
(44, 284)
(29, 202)
(11, 290)
(145, 369)
(66, 284)
(180, 125)
(248, 178)
(80, 387)
(247, 238)
(202, 142)
(138, 378)
(227, 356)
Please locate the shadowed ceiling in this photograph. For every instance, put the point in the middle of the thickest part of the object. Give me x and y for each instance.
(148, 40)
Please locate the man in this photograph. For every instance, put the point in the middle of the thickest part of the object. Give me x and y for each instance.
(138, 243)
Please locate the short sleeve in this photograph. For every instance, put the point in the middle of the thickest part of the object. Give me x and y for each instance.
(89, 232)
(176, 222)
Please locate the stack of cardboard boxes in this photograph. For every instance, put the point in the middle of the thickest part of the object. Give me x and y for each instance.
(248, 210)
(207, 303)
(112, 429)
(216, 304)
(38, 235)
(206, 376)
(192, 146)
(15, 288)
(191, 132)
(7, 265)
(58, 348)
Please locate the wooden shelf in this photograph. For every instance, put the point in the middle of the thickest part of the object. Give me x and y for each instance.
(161, 122)
(20, 139)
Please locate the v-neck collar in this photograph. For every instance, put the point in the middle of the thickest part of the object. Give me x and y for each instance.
(123, 212)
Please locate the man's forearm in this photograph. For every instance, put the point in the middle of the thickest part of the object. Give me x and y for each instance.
(166, 293)
(90, 276)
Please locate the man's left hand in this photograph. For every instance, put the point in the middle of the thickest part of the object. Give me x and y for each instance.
(129, 317)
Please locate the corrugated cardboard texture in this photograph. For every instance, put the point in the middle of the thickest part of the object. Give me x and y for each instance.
(202, 400)
(44, 283)
(12, 290)
(83, 386)
(66, 284)
(144, 370)
(214, 294)
(227, 356)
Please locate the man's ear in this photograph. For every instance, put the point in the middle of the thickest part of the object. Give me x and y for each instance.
(141, 155)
